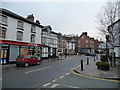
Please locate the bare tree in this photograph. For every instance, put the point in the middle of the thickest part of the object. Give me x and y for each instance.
(106, 18)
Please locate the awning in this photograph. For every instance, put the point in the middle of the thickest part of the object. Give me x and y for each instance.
(19, 43)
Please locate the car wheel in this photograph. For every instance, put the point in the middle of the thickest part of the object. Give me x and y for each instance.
(38, 63)
(26, 65)
(17, 65)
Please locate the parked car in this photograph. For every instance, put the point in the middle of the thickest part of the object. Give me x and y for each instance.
(26, 60)
(92, 54)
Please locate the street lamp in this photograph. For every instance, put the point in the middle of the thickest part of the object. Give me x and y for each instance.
(107, 40)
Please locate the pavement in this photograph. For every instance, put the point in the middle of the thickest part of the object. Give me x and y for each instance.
(92, 71)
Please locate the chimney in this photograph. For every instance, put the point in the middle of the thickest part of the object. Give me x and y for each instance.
(85, 33)
(30, 17)
(37, 22)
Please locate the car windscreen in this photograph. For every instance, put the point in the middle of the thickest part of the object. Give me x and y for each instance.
(20, 57)
(28, 57)
(34, 57)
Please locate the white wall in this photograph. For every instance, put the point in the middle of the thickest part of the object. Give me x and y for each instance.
(11, 29)
(11, 32)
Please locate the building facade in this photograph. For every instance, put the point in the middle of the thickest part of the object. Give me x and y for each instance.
(71, 47)
(87, 44)
(49, 42)
(18, 35)
(62, 44)
(114, 43)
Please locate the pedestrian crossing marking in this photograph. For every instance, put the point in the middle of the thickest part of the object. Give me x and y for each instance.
(53, 86)
(46, 84)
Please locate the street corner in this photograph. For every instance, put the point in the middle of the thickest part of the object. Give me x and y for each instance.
(74, 71)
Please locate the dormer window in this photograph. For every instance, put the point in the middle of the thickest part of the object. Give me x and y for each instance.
(82, 37)
(33, 29)
(20, 25)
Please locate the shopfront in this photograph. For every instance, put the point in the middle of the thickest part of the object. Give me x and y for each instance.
(11, 49)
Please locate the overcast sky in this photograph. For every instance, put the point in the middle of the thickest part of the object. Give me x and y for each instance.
(65, 17)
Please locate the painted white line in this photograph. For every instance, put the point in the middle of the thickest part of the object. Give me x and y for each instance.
(53, 86)
(67, 86)
(61, 76)
(54, 80)
(67, 74)
(46, 84)
(37, 69)
(73, 87)
(65, 63)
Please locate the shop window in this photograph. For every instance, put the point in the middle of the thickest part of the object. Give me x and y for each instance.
(2, 33)
(20, 25)
(19, 35)
(4, 19)
(33, 29)
(32, 38)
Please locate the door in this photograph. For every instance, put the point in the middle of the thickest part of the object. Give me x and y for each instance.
(4, 55)
(54, 52)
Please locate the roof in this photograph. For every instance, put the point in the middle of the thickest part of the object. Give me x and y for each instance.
(16, 16)
(114, 23)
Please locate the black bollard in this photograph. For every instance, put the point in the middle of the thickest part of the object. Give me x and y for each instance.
(87, 60)
(94, 58)
(82, 65)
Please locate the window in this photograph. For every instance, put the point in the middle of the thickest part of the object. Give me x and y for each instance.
(4, 19)
(20, 25)
(32, 38)
(82, 37)
(119, 39)
(2, 33)
(19, 35)
(86, 41)
(33, 29)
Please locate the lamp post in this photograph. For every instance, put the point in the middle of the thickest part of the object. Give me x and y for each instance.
(107, 39)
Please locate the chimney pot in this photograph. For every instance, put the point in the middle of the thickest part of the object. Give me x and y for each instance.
(30, 17)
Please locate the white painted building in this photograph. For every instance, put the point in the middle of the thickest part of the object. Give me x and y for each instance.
(116, 32)
(119, 10)
(102, 47)
(18, 35)
(49, 42)
(70, 47)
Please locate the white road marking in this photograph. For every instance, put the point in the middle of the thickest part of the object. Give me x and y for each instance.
(54, 85)
(54, 80)
(37, 69)
(61, 76)
(72, 86)
(65, 63)
(65, 85)
(67, 74)
(46, 84)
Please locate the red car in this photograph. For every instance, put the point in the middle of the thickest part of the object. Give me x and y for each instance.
(26, 60)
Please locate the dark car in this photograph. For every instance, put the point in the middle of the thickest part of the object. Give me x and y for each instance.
(92, 54)
(26, 60)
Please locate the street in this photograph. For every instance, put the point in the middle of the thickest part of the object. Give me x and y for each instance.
(51, 74)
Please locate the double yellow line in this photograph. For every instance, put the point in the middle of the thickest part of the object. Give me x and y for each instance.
(73, 72)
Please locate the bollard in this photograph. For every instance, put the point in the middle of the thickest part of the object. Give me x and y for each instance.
(87, 60)
(94, 58)
(82, 65)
